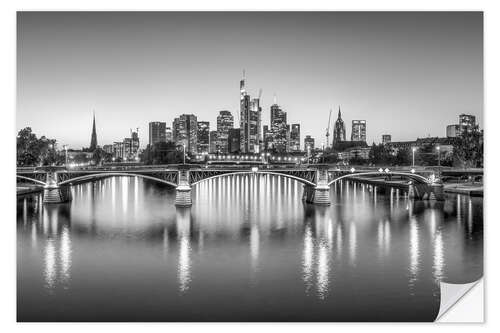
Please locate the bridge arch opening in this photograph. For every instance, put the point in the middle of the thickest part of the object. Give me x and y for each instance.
(38, 182)
(260, 172)
(82, 179)
(410, 176)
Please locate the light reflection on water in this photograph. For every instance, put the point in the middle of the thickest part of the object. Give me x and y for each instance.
(248, 238)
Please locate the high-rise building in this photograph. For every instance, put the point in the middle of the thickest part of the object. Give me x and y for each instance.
(453, 131)
(279, 129)
(157, 131)
(203, 134)
(358, 132)
(308, 143)
(185, 132)
(466, 122)
(268, 138)
(168, 134)
(339, 130)
(108, 149)
(295, 137)
(213, 142)
(386, 138)
(234, 140)
(93, 138)
(225, 122)
(118, 150)
(250, 121)
(130, 147)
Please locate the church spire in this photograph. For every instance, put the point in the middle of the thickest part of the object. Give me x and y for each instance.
(93, 138)
(340, 116)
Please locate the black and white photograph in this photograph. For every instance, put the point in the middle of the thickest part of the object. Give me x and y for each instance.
(247, 166)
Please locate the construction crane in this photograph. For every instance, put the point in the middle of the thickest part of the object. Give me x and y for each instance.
(328, 128)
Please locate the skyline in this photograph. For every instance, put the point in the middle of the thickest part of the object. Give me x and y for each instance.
(430, 64)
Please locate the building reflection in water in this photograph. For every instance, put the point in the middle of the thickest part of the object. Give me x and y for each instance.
(183, 221)
(318, 247)
(57, 250)
(254, 247)
(307, 258)
(435, 217)
(352, 243)
(414, 253)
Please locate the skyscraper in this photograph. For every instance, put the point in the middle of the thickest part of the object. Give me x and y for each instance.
(268, 137)
(213, 142)
(93, 138)
(234, 140)
(295, 137)
(339, 129)
(168, 134)
(157, 131)
(358, 132)
(278, 128)
(185, 132)
(203, 142)
(225, 122)
(250, 121)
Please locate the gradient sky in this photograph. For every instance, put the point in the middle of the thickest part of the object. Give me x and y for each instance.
(407, 74)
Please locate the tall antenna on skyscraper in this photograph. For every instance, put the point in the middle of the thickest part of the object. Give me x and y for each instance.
(274, 98)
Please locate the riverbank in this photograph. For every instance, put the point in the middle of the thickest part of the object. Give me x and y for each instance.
(473, 190)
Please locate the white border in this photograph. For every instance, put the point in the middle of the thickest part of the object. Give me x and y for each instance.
(492, 120)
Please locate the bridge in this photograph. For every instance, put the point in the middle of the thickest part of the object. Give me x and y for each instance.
(317, 179)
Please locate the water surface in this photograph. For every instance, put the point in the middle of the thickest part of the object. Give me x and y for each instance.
(249, 249)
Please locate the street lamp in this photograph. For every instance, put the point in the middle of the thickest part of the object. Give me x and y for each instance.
(413, 149)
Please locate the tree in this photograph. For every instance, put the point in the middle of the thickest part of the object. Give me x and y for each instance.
(32, 151)
(161, 153)
(427, 155)
(28, 150)
(468, 149)
(380, 155)
(403, 157)
(98, 156)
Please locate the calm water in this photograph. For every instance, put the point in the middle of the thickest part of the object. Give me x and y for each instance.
(249, 249)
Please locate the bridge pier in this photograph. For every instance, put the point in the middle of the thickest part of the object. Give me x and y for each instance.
(56, 194)
(319, 194)
(53, 193)
(434, 191)
(183, 190)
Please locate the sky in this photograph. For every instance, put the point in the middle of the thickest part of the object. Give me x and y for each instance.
(408, 74)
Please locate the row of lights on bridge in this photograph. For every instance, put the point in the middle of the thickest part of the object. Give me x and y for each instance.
(254, 158)
(386, 170)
